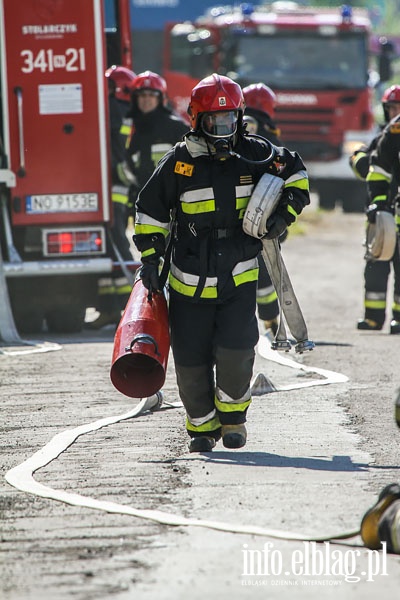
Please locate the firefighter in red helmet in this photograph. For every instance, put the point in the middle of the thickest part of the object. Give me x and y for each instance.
(155, 128)
(260, 103)
(196, 198)
(379, 165)
(114, 290)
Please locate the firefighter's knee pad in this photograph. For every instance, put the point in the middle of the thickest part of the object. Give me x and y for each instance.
(234, 369)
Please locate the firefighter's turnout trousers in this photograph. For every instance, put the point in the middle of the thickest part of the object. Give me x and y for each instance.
(215, 391)
(376, 277)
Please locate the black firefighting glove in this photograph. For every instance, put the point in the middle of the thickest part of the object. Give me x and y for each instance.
(373, 208)
(276, 226)
(278, 222)
(149, 274)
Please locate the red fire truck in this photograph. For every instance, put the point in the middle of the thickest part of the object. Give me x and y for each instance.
(317, 62)
(54, 161)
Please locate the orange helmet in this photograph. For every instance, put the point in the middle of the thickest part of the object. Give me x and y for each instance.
(122, 79)
(260, 97)
(150, 81)
(391, 94)
(215, 93)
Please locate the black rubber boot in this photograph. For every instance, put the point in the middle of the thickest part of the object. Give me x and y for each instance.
(370, 521)
(369, 325)
(234, 436)
(201, 443)
(394, 327)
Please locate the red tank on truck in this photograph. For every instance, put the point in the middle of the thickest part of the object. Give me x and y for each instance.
(317, 61)
(54, 155)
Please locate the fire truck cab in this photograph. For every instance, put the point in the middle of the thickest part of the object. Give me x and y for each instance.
(55, 207)
(316, 59)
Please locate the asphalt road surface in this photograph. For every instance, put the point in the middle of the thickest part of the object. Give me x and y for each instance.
(319, 451)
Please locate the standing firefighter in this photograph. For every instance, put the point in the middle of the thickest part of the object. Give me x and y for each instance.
(155, 129)
(113, 292)
(260, 103)
(199, 192)
(383, 175)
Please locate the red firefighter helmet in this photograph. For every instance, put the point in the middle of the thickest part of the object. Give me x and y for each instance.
(150, 81)
(390, 95)
(260, 97)
(215, 93)
(122, 79)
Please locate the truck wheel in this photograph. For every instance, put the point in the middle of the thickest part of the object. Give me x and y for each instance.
(354, 198)
(67, 319)
(327, 195)
(28, 320)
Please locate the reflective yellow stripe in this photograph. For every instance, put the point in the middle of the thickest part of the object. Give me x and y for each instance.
(268, 298)
(148, 252)
(106, 290)
(231, 406)
(121, 198)
(211, 425)
(242, 202)
(302, 184)
(374, 176)
(396, 306)
(251, 275)
(189, 290)
(194, 208)
(125, 130)
(141, 228)
(375, 303)
(124, 289)
(292, 211)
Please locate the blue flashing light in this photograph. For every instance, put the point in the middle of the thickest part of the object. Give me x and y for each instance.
(347, 12)
(247, 9)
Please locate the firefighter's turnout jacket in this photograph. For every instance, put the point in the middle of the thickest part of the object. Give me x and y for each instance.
(382, 179)
(152, 135)
(211, 252)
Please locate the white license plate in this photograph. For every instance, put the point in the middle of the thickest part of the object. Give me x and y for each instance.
(54, 203)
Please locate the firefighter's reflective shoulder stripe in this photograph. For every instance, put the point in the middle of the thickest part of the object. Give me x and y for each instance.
(182, 168)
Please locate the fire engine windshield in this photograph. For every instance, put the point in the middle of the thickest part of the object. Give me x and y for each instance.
(284, 60)
(308, 60)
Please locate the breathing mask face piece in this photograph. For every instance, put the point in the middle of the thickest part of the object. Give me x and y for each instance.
(221, 124)
(219, 128)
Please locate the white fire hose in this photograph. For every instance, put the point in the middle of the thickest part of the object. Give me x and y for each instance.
(381, 237)
(21, 477)
(262, 204)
